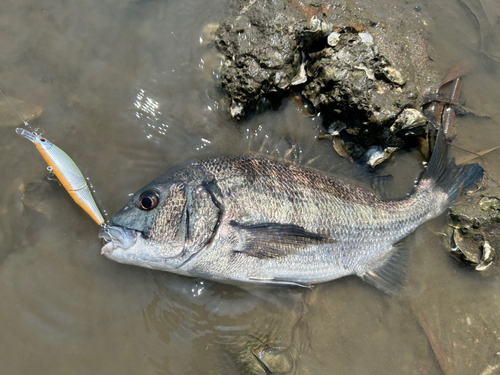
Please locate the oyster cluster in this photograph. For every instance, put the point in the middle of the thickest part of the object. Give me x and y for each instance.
(474, 236)
(368, 105)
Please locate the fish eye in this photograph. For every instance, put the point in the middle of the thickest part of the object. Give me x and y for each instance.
(149, 199)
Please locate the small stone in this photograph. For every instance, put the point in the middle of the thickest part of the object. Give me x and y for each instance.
(340, 147)
(277, 360)
(236, 110)
(366, 38)
(333, 39)
(410, 122)
(262, 105)
(336, 127)
(301, 76)
(208, 33)
(376, 155)
(487, 257)
(394, 75)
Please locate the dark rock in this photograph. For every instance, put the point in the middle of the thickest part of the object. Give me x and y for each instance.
(261, 52)
(325, 51)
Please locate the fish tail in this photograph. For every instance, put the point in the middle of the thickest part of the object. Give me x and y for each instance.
(446, 175)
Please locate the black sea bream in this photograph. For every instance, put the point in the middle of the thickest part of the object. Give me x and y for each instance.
(262, 220)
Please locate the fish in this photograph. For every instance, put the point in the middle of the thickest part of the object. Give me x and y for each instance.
(261, 220)
(67, 172)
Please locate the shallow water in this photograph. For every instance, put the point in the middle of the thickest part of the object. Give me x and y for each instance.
(127, 91)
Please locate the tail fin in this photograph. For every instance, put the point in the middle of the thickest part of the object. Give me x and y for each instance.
(449, 177)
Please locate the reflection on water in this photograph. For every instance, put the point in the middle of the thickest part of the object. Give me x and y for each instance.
(126, 89)
(230, 326)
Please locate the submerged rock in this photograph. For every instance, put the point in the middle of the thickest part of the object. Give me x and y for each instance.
(329, 53)
(475, 235)
(276, 360)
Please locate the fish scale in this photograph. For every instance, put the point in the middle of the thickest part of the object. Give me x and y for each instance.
(330, 206)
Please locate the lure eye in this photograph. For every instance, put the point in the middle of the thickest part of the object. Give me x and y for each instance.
(149, 199)
(43, 139)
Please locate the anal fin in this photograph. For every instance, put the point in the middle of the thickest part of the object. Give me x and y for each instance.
(275, 281)
(390, 276)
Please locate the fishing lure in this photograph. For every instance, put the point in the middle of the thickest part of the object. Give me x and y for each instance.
(66, 171)
(64, 168)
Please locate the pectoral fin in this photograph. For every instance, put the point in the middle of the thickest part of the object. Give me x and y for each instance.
(271, 240)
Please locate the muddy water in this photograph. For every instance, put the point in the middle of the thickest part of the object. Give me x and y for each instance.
(126, 89)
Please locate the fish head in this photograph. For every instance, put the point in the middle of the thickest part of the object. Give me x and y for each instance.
(164, 224)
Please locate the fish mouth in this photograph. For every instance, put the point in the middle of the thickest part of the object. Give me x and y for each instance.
(116, 237)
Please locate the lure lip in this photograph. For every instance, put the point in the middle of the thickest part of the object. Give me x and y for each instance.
(30, 136)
